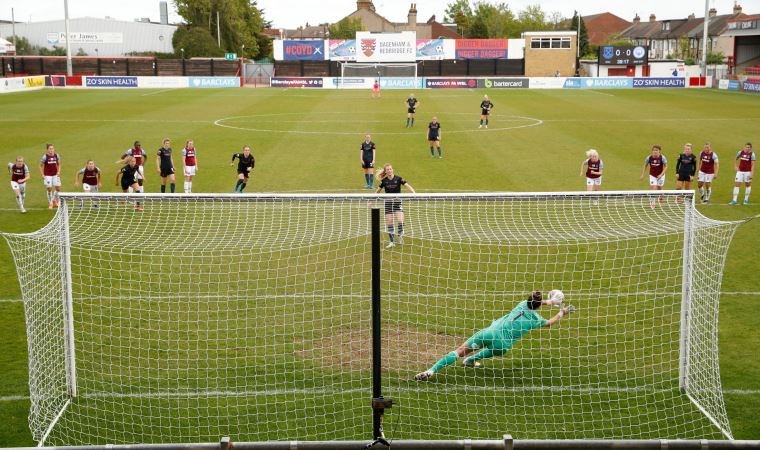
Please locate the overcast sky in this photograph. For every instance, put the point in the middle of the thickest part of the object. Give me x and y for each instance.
(292, 13)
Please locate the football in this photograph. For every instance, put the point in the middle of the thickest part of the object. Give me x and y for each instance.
(557, 295)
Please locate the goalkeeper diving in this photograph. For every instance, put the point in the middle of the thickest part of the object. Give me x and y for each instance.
(502, 334)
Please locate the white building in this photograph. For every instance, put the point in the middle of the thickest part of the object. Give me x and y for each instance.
(97, 37)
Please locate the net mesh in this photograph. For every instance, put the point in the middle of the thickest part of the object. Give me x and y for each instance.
(249, 317)
(349, 70)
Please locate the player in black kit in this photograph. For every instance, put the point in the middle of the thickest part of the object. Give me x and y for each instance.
(246, 162)
(393, 209)
(485, 109)
(165, 165)
(128, 175)
(412, 103)
(367, 156)
(434, 137)
(686, 167)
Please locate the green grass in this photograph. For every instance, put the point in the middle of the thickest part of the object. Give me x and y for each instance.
(622, 125)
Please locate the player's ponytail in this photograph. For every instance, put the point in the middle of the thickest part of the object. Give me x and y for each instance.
(381, 174)
(535, 300)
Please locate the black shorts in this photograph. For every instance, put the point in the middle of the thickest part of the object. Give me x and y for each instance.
(485, 112)
(434, 138)
(166, 171)
(367, 165)
(127, 183)
(411, 111)
(245, 173)
(392, 206)
(684, 177)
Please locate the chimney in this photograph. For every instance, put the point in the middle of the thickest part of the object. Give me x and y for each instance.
(412, 17)
(652, 18)
(365, 4)
(636, 19)
(691, 16)
(164, 13)
(737, 9)
(713, 12)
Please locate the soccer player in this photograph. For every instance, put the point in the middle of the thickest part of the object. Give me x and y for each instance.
(50, 169)
(367, 156)
(376, 89)
(658, 166)
(708, 171)
(485, 110)
(434, 137)
(246, 162)
(19, 176)
(165, 165)
(140, 156)
(745, 168)
(593, 168)
(686, 167)
(411, 104)
(498, 338)
(190, 162)
(128, 175)
(393, 209)
(90, 175)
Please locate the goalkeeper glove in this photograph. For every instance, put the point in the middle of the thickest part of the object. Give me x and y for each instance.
(568, 310)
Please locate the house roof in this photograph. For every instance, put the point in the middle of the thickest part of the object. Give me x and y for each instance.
(691, 28)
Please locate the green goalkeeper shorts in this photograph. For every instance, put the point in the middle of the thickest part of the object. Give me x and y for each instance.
(490, 338)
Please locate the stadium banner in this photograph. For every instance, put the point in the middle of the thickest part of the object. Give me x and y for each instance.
(347, 83)
(629, 55)
(751, 86)
(82, 37)
(506, 83)
(214, 82)
(109, 82)
(342, 49)
(401, 83)
(35, 82)
(729, 85)
(163, 82)
(386, 47)
(297, 82)
(547, 82)
(598, 83)
(659, 82)
(482, 48)
(452, 83)
(435, 49)
(55, 81)
(303, 50)
(21, 83)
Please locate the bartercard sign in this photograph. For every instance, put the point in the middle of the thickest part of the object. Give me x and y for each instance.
(84, 37)
(386, 47)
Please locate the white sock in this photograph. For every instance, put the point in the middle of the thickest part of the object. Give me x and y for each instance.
(701, 191)
(187, 187)
(709, 192)
(19, 202)
(50, 197)
(55, 195)
(736, 192)
(746, 193)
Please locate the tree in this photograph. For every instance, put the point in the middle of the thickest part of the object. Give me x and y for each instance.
(196, 41)
(716, 58)
(81, 52)
(492, 21)
(23, 47)
(533, 18)
(346, 28)
(459, 13)
(582, 34)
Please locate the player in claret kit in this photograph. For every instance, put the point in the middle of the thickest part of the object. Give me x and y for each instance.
(19, 176)
(745, 169)
(411, 110)
(434, 137)
(368, 151)
(658, 166)
(485, 110)
(90, 175)
(708, 171)
(190, 161)
(246, 163)
(501, 335)
(50, 169)
(686, 167)
(140, 157)
(593, 167)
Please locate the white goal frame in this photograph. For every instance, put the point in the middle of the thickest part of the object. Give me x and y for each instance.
(375, 69)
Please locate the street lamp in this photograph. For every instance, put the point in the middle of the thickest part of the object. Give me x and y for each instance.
(183, 52)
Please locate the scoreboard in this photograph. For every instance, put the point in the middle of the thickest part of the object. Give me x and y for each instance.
(633, 55)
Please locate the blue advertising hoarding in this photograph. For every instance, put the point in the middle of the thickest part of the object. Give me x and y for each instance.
(214, 82)
(752, 86)
(401, 83)
(303, 50)
(659, 82)
(111, 82)
(598, 83)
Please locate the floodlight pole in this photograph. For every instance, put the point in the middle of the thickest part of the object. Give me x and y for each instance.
(13, 31)
(218, 31)
(69, 72)
(704, 37)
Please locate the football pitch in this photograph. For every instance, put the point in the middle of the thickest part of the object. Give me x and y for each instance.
(308, 141)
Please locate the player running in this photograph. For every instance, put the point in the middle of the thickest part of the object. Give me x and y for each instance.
(368, 151)
(658, 166)
(190, 162)
(434, 137)
(745, 168)
(128, 175)
(50, 169)
(686, 167)
(593, 167)
(19, 176)
(393, 209)
(411, 104)
(485, 110)
(376, 89)
(708, 171)
(246, 162)
(90, 175)
(498, 338)
(165, 165)
(140, 156)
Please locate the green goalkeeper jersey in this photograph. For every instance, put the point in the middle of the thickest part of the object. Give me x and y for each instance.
(517, 323)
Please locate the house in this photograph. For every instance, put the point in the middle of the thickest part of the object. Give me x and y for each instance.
(600, 27)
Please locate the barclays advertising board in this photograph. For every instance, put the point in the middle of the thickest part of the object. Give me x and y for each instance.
(214, 82)
(598, 83)
(401, 83)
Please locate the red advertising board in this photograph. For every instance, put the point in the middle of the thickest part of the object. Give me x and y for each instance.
(482, 48)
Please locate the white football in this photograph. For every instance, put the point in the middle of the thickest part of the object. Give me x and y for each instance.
(557, 295)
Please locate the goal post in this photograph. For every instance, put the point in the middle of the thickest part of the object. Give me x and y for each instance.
(249, 316)
(377, 71)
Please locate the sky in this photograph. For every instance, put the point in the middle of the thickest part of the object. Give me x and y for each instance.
(293, 13)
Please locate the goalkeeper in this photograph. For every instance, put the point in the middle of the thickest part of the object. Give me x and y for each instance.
(501, 335)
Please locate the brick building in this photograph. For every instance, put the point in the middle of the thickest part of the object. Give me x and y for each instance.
(550, 53)
(601, 27)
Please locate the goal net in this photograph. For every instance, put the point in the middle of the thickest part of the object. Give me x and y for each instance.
(377, 70)
(249, 316)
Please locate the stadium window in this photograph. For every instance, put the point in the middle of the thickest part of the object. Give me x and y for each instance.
(565, 42)
(550, 43)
